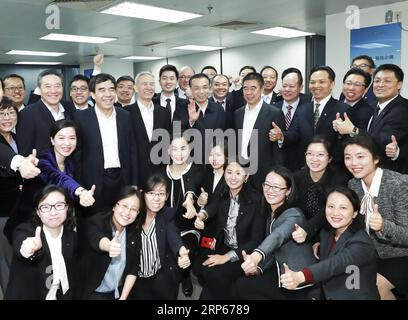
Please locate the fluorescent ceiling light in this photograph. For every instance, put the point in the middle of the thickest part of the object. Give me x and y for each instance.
(373, 45)
(197, 48)
(76, 38)
(283, 32)
(36, 53)
(38, 63)
(141, 11)
(141, 58)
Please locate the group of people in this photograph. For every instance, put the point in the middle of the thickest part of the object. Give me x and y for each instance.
(259, 194)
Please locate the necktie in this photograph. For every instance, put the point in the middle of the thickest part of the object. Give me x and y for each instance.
(221, 103)
(168, 105)
(316, 114)
(375, 116)
(288, 117)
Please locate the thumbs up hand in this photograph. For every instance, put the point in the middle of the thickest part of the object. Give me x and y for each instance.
(31, 244)
(299, 235)
(290, 280)
(203, 198)
(86, 197)
(199, 223)
(114, 246)
(275, 133)
(376, 221)
(28, 167)
(183, 259)
(343, 126)
(250, 264)
(391, 149)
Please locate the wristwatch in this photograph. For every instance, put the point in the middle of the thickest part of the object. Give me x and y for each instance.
(354, 132)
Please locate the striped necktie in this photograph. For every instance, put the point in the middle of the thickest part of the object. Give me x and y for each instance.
(288, 117)
(316, 115)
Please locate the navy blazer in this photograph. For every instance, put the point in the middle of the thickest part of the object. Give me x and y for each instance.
(229, 110)
(29, 277)
(360, 114)
(33, 127)
(161, 120)
(90, 153)
(392, 120)
(354, 249)
(95, 262)
(267, 153)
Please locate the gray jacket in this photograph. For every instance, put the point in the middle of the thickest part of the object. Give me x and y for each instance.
(392, 203)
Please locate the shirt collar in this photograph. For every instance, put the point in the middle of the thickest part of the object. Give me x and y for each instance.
(258, 106)
(384, 104)
(60, 107)
(293, 105)
(375, 184)
(323, 102)
(141, 105)
(99, 114)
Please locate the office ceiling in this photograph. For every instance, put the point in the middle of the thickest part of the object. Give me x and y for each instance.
(23, 23)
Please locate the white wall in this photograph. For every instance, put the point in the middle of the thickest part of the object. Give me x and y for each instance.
(338, 40)
(280, 54)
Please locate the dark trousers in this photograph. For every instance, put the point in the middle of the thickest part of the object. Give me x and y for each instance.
(158, 287)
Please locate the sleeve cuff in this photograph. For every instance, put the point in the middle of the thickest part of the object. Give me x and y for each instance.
(261, 253)
(233, 256)
(396, 155)
(308, 275)
(16, 162)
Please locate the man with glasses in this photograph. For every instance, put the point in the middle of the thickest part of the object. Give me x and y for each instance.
(79, 92)
(183, 90)
(14, 88)
(365, 63)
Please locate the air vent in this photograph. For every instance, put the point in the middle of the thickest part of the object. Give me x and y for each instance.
(235, 25)
(152, 43)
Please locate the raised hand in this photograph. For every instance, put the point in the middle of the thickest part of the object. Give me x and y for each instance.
(183, 259)
(31, 244)
(290, 280)
(193, 113)
(203, 198)
(98, 60)
(28, 167)
(250, 264)
(299, 235)
(86, 197)
(275, 133)
(376, 221)
(114, 246)
(392, 148)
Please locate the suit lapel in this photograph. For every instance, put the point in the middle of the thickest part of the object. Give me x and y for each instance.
(375, 122)
(97, 131)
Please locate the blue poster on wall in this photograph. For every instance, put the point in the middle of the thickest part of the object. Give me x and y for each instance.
(382, 43)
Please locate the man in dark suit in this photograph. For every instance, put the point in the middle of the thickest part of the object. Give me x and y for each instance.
(221, 95)
(168, 76)
(34, 123)
(108, 155)
(146, 118)
(183, 90)
(270, 75)
(316, 117)
(256, 119)
(292, 101)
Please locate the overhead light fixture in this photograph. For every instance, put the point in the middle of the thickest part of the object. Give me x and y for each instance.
(76, 38)
(283, 32)
(142, 58)
(197, 48)
(38, 63)
(142, 11)
(36, 53)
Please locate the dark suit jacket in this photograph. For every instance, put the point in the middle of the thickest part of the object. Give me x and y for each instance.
(291, 142)
(353, 248)
(33, 127)
(268, 153)
(181, 104)
(161, 120)
(250, 224)
(360, 114)
(392, 120)
(6, 155)
(238, 98)
(229, 110)
(90, 155)
(305, 126)
(96, 262)
(29, 277)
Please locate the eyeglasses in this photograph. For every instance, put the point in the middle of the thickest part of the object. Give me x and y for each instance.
(268, 187)
(12, 89)
(80, 89)
(387, 82)
(319, 156)
(360, 66)
(156, 194)
(125, 206)
(59, 206)
(11, 114)
(355, 84)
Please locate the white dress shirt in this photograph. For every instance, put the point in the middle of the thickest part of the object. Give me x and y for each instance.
(250, 117)
(147, 116)
(109, 135)
(163, 103)
(59, 115)
(322, 104)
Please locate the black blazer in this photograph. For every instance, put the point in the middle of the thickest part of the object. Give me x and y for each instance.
(238, 98)
(291, 142)
(181, 104)
(90, 153)
(392, 120)
(33, 127)
(96, 262)
(250, 224)
(360, 114)
(229, 110)
(161, 120)
(353, 248)
(269, 154)
(29, 277)
(9, 183)
(6, 155)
